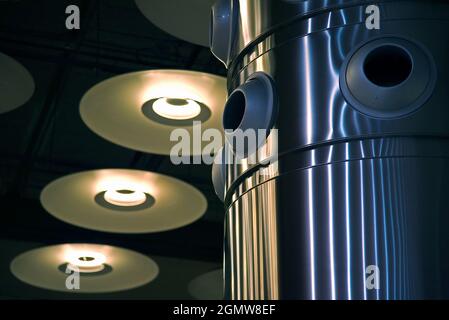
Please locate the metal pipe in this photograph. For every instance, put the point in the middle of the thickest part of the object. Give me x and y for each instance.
(356, 205)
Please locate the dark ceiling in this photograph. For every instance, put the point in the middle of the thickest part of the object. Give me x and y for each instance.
(46, 139)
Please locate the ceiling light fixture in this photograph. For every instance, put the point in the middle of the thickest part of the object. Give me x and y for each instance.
(125, 198)
(176, 109)
(85, 261)
(139, 110)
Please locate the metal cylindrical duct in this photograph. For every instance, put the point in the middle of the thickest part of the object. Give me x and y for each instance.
(356, 205)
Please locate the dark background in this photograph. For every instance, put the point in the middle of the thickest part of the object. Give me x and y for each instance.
(45, 139)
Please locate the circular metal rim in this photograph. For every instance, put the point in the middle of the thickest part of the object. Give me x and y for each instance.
(404, 111)
(260, 112)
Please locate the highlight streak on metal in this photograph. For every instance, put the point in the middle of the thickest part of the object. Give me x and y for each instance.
(347, 194)
(255, 249)
(362, 218)
(311, 233)
(334, 80)
(331, 230)
(274, 273)
(309, 129)
(400, 224)
(238, 245)
(384, 223)
(261, 254)
(232, 252)
(373, 189)
(309, 88)
(348, 223)
(402, 204)
(245, 268)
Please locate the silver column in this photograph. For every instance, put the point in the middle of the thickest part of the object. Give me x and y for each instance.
(360, 191)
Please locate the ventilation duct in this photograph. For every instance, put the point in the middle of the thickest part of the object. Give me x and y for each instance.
(356, 205)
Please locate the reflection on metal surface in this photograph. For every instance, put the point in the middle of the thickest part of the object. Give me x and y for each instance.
(341, 255)
(337, 210)
(252, 233)
(351, 193)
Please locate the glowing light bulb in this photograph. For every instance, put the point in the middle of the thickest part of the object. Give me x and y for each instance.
(86, 261)
(177, 109)
(125, 198)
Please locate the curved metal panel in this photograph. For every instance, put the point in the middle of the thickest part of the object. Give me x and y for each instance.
(352, 195)
(251, 248)
(331, 226)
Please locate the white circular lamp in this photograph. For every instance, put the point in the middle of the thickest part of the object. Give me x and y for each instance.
(125, 198)
(86, 261)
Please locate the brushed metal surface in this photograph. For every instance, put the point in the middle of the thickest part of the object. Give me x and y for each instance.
(336, 210)
(251, 254)
(348, 191)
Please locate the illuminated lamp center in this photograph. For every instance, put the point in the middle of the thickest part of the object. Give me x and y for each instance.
(86, 262)
(125, 198)
(176, 109)
(86, 258)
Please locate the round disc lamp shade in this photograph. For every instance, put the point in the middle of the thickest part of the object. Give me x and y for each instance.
(123, 201)
(185, 19)
(140, 110)
(16, 84)
(101, 268)
(208, 286)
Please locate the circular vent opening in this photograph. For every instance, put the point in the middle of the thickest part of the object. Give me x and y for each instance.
(388, 66)
(234, 111)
